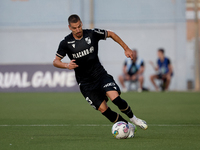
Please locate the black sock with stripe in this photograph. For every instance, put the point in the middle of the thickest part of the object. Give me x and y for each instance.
(123, 106)
(113, 116)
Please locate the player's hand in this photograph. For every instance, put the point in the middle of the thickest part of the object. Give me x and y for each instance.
(129, 53)
(72, 65)
(151, 62)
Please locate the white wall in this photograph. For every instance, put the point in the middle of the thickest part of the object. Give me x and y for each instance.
(151, 26)
(29, 45)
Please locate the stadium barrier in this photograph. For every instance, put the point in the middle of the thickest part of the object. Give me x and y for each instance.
(36, 78)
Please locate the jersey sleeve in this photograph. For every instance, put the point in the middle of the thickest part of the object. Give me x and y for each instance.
(142, 63)
(100, 34)
(168, 61)
(61, 52)
(125, 63)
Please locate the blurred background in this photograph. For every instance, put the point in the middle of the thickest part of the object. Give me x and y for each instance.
(30, 32)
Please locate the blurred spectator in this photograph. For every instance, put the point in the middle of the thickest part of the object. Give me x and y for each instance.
(164, 69)
(133, 72)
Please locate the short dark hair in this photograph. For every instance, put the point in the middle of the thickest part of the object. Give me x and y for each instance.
(161, 50)
(73, 19)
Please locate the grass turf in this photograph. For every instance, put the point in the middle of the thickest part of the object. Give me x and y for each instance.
(58, 121)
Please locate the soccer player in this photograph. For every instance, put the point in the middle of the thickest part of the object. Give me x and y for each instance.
(95, 83)
(133, 71)
(164, 69)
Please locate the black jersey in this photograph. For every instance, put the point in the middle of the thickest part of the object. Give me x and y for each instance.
(85, 52)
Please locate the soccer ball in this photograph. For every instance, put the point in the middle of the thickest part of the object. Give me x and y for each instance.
(120, 130)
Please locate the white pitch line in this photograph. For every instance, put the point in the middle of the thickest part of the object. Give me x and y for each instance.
(96, 125)
(36, 125)
(175, 125)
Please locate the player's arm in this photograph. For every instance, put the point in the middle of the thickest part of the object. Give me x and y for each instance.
(59, 64)
(125, 68)
(170, 71)
(141, 70)
(128, 52)
(154, 67)
(170, 68)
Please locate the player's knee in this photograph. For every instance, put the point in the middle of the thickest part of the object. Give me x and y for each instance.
(141, 78)
(168, 78)
(133, 78)
(151, 77)
(112, 94)
(120, 78)
(127, 78)
(102, 109)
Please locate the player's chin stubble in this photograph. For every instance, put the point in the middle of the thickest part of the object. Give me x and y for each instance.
(79, 34)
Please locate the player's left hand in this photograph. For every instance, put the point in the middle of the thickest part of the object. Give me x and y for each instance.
(129, 53)
(72, 65)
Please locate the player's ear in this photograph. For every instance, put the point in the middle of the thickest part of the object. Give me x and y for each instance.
(69, 26)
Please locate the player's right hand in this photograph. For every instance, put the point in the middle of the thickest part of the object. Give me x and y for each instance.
(72, 65)
(129, 53)
(151, 62)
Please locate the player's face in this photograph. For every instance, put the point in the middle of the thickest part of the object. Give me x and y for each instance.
(160, 55)
(76, 29)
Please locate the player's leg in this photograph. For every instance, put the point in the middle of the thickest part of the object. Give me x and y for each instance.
(141, 81)
(167, 82)
(114, 117)
(123, 78)
(120, 103)
(97, 99)
(152, 78)
(125, 108)
(112, 91)
(109, 114)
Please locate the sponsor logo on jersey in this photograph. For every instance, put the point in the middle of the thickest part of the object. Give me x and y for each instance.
(88, 40)
(73, 45)
(99, 31)
(109, 84)
(70, 42)
(83, 53)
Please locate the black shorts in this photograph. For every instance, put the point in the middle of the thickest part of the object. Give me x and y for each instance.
(95, 93)
(161, 76)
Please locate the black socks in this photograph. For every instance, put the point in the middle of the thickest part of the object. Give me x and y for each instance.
(123, 106)
(113, 116)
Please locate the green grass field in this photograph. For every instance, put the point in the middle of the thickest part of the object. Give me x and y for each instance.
(65, 121)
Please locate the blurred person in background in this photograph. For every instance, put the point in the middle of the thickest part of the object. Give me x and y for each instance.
(133, 72)
(164, 69)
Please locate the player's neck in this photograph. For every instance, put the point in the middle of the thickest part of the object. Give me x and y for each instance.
(162, 58)
(77, 38)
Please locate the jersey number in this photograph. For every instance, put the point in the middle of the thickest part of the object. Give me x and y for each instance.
(90, 102)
